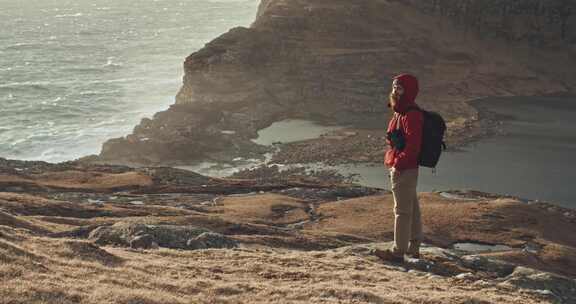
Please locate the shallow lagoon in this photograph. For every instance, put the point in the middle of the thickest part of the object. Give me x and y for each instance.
(533, 159)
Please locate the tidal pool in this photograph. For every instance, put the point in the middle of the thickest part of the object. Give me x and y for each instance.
(533, 159)
(480, 248)
(292, 130)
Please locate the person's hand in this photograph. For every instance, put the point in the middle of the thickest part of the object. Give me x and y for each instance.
(391, 172)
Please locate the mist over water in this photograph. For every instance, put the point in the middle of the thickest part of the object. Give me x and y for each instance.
(76, 73)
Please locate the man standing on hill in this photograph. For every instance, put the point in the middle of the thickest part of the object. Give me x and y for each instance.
(404, 136)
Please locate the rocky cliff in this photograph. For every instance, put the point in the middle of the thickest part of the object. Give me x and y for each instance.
(332, 61)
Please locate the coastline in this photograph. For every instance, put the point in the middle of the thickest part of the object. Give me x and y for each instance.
(339, 149)
(127, 227)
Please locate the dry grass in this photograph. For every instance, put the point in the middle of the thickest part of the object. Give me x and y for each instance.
(42, 270)
(269, 268)
(81, 180)
(266, 208)
(497, 221)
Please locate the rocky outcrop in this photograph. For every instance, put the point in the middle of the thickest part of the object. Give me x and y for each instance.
(478, 270)
(331, 61)
(153, 236)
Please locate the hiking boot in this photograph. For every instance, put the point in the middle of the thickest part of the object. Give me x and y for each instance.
(414, 250)
(389, 255)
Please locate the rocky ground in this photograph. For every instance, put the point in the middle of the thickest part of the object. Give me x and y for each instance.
(71, 233)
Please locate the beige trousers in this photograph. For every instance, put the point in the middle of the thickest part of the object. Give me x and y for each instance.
(408, 222)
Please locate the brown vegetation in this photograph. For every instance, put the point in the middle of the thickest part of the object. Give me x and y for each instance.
(291, 245)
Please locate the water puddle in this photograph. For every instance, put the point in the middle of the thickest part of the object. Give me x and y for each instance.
(454, 196)
(480, 248)
(219, 170)
(292, 130)
(285, 131)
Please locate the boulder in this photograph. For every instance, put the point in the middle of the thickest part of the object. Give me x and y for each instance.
(144, 236)
(560, 289)
(481, 263)
(143, 242)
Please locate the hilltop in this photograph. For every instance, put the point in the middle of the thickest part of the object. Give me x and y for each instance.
(71, 233)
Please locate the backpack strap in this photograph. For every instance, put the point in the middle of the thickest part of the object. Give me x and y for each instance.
(413, 108)
(398, 115)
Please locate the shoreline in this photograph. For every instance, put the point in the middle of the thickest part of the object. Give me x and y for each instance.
(485, 125)
(460, 134)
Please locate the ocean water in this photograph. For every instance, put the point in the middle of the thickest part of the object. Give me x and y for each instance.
(74, 73)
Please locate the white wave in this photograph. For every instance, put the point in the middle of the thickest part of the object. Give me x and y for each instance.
(45, 84)
(99, 92)
(69, 15)
(110, 63)
(50, 154)
(18, 141)
(230, 1)
(22, 45)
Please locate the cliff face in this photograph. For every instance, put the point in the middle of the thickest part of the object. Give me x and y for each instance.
(537, 22)
(332, 61)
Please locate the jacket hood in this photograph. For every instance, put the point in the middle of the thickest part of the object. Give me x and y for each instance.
(408, 99)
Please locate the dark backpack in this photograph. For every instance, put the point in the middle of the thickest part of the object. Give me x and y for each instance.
(433, 130)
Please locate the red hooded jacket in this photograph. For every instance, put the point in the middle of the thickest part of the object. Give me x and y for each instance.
(411, 124)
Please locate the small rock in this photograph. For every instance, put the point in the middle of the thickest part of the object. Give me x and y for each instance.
(545, 292)
(211, 240)
(434, 277)
(480, 263)
(483, 283)
(416, 272)
(145, 241)
(532, 248)
(419, 264)
(465, 276)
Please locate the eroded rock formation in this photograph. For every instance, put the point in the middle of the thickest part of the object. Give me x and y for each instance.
(332, 61)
